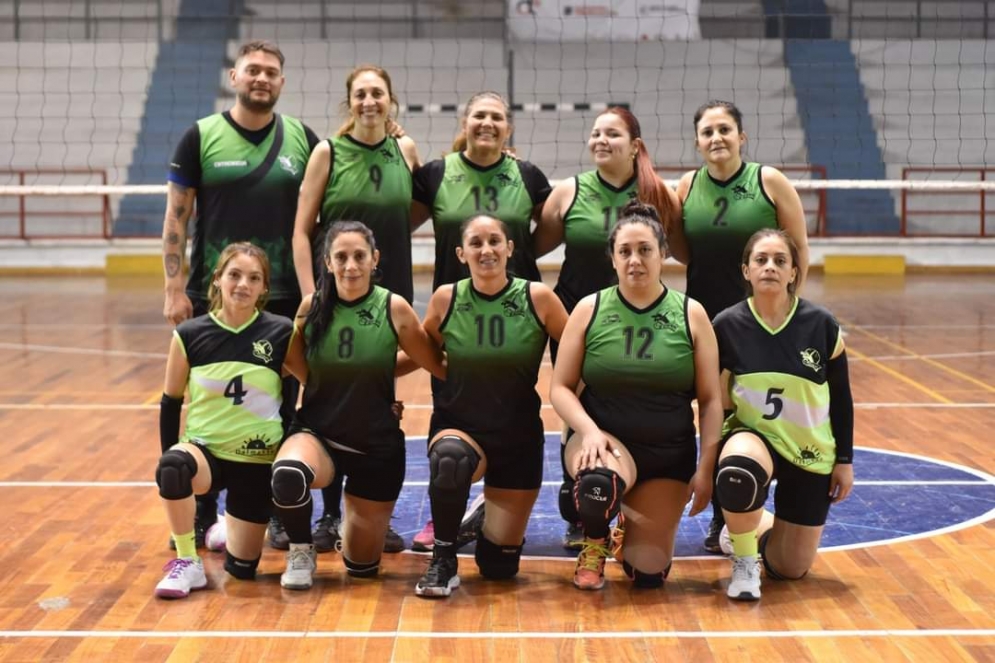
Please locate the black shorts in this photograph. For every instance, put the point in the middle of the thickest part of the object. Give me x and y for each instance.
(515, 454)
(377, 477)
(677, 461)
(800, 497)
(250, 497)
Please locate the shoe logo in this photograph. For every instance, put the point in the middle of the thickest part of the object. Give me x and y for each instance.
(262, 350)
(811, 358)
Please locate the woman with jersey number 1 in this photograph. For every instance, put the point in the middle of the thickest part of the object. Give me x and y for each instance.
(478, 177)
(362, 174)
(580, 212)
(643, 351)
(723, 203)
(485, 419)
(231, 359)
(792, 419)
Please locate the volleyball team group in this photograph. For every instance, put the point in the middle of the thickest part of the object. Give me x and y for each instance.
(300, 275)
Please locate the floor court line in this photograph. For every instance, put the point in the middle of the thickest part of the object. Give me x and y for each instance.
(517, 635)
(425, 406)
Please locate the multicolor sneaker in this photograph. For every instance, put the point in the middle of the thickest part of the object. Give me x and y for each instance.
(440, 578)
(573, 538)
(277, 535)
(616, 539)
(326, 533)
(744, 585)
(216, 538)
(183, 575)
(393, 542)
(590, 571)
(424, 540)
(302, 561)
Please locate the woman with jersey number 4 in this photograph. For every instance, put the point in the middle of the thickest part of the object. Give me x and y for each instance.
(792, 418)
(643, 351)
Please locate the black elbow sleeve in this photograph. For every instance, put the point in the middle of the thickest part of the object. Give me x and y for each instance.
(841, 407)
(169, 421)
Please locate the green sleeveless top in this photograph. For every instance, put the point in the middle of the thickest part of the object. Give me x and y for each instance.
(248, 193)
(719, 218)
(371, 184)
(639, 369)
(235, 385)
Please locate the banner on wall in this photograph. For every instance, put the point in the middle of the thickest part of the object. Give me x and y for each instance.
(604, 20)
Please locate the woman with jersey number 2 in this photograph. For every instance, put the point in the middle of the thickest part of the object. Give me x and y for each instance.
(643, 352)
(485, 419)
(231, 360)
(792, 419)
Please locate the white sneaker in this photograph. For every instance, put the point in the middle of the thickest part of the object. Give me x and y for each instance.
(302, 560)
(725, 542)
(183, 575)
(744, 585)
(216, 538)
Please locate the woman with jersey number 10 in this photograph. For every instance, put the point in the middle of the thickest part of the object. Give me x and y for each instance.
(722, 204)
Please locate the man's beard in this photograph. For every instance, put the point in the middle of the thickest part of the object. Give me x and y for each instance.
(247, 102)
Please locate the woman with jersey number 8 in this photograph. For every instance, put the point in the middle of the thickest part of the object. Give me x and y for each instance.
(347, 423)
(643, 351)
(792, 418)
(580, 212)
(723, 203)
(478, 177)
(485, 419)
(363, 174)
(231, 360)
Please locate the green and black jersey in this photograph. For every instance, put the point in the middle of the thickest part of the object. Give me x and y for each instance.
(350, 383)
(719, 218)
(247, 184)
(371, 184)
(235, 385)
(778, 384)
(455, 189)
(639, 369)
(494, 345)
(589, 220)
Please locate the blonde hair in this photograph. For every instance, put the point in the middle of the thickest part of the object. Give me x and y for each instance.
(229, 252)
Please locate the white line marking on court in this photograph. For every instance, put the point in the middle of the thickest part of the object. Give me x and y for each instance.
(32, 347)
(518, 635)
(945, 355)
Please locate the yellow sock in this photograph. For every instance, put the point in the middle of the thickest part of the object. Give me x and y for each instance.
(186, 545)
(743, 545)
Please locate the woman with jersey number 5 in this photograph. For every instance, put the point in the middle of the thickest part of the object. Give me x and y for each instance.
(723, 203)
(643, 351)
(792, 418)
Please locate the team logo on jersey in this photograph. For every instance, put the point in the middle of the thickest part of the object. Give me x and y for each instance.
(388, 155)
(740, 192)
(287, 163)
(255, 447)
(662, 321)
(611, 319)
(812, 359)
(807, 456)
(511, 308)
(503, 180)
(262, 350)
(366, 318)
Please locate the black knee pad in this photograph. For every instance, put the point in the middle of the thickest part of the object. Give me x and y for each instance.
(497, 562)
(175, 474)
(361, 570)
(598, 495)
(452, 463)
(243, 569)
(291, 483)
(741, 484)
(568, 510)
(645, 580)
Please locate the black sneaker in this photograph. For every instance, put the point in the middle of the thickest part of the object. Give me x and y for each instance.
(711, 543)
(326, 533)
(277, 534)
(573, 538)
(393, 542)
(471, 524)
(440, 579)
